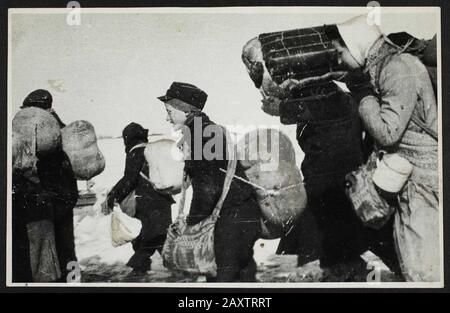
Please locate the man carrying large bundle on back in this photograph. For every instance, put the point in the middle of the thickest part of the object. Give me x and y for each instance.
(329, 133)
(47, 193)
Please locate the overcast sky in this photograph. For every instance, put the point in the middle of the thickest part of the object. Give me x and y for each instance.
(110, 69)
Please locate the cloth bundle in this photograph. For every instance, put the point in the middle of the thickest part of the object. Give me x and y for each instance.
(268, 158)
(34, 131)
(80, 144)
(123, 228)
(166, 165)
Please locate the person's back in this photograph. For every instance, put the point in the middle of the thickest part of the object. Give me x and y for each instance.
(153, 208)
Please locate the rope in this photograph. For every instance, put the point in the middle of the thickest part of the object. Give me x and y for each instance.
(267, 191)
(183, 196)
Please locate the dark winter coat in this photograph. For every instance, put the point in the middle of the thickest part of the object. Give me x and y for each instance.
(56, 176)
(29, 204)
(51, 196)
(207, 179)
(329, 132)
(152, 208)
(238, 226)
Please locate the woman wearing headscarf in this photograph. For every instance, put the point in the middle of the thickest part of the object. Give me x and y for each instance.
(398, 108)
(153, 208)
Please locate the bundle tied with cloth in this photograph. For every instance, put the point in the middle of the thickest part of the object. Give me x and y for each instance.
(80, 144)
(268, 157)
(165, 174)
(34, 132)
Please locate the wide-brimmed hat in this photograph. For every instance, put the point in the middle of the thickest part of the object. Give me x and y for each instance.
(392, 173)
(187, 93)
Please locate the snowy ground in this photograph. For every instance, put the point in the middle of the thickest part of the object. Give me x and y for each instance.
(101, 262)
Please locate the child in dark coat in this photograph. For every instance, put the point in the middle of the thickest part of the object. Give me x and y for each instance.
(153, 208)
(238, 226)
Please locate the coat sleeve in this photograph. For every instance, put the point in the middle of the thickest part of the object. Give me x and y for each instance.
(133, 165)
(387, 117)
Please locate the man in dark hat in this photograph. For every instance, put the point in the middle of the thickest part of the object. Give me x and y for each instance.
(56, 195)
(238, 226)
(153, 208)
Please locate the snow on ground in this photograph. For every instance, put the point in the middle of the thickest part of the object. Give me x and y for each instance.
(92, 228)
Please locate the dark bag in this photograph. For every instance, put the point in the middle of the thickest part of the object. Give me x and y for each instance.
(371, 208)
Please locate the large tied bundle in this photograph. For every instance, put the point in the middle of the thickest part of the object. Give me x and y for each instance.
(269, 161)
(303, 60)
(34, 131)
(298, 53)
(166, 165)
(80, 144)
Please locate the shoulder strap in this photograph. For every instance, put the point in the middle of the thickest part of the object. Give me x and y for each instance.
(226, 185)
(231, 169)
(138, 146)
(183, 195)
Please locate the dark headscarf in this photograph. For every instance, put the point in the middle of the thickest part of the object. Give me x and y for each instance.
(42, 99)
(134, 134)
(39, 98)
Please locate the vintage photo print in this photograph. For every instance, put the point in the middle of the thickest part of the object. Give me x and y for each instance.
(273, 147)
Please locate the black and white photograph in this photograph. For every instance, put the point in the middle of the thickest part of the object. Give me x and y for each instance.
(244, 147)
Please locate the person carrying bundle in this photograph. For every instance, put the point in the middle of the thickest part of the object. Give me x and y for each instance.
(52, 191)
(153, 208)
(398, 108)
(330, 135)
(238, 225)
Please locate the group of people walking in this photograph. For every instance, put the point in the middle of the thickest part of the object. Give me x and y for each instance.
(390, 88)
